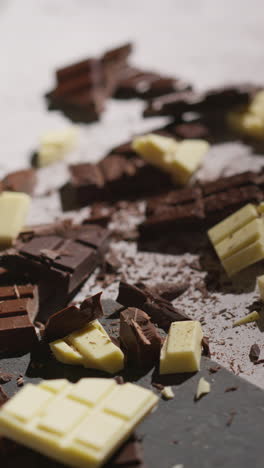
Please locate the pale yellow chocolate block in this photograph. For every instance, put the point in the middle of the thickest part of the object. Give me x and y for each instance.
(232, 223)
(186, 159)
(55, 145)
(91, 347)
(181, 351)
(250, 119)
(180, 159)
(167, 393)
(243, 258)
(80, 425)
(252, 317)
(14, 207)
(261, 286)
(203, 388)
(248, 234)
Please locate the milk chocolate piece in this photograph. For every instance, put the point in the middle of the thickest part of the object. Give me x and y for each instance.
(222, 98)
(20, 181)
(159, 309)
(139, 338)
(17, 334)
(19, 300)
(59, 257)
(73, 318)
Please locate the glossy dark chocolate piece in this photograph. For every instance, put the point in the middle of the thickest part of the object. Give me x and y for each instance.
(161, 311)
(221, 99)
(73, 318)
(19, 300)
(58, 257)
(20, 181)
(139, 338)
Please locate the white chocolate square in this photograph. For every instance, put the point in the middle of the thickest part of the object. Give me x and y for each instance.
(14, 207)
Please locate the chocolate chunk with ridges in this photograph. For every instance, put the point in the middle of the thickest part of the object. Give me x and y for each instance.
(139, 338)
(222, 99)
(20, 181)
(19, 300)
(73, 318)
(60, 259)
(254, 352)
(161, 311)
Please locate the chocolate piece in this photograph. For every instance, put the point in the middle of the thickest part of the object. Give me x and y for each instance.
(129, 455)
(206, 346)
(189, 130)
(3, 396)
(73, 318)
(5, 377)
(20, 181)
(159, 309)
(170, 291)
(116, 176)
(222, 98)
(19, 300)
(59, 257)
(17, 334)
(254, 352)
(231, 389)
(139, 338)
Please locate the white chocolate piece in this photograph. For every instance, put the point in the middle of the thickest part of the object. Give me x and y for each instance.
(261, 286)
(248, 256)
(180, 159)
(79, 424)
(203, 388)
(252, 317)
(167, 393)
(181, 351)
(14, 207)
(232, 223)
(250, 119)
(91, 347)
(55, 145)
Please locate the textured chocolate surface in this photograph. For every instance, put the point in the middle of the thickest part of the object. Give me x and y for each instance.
(73, 318)
(139, 338)
(20, 181)
(161, 311)
(19, 300)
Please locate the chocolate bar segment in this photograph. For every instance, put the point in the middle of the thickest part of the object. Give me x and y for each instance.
(20, 181)
(19, 300)
(139, 338)
(161, 311)
(221, 99)
(73, 318)
(58, 257)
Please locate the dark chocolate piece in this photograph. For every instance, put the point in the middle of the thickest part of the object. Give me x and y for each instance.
(170, 291)
(20, 181)
(139, 338)
(116, 176)
(161, 311)
(254, 352)
(73, 318)
(17, 334)
(19, 300)
(221, 99)
(59, 257)
(130, 455)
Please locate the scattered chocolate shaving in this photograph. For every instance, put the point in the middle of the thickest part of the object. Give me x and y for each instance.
(259, 361)
(20, 381)
(5, 377)
(73, 318)
(206, 347)
(130, 454)
(254, 352)
(170, 291)
(215, 369)
(231, 417)
(231, 389)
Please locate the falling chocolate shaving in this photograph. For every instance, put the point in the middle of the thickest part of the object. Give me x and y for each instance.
(206, 347)
(254, 352)
(231, 389)
(73, 318)
(139, 338)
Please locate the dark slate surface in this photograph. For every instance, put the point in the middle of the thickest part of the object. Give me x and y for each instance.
(223, 429)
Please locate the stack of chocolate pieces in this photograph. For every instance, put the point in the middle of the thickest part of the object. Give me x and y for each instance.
(200, 207)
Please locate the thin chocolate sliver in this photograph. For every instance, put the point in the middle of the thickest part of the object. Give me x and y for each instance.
(73, 318)
(254, 352)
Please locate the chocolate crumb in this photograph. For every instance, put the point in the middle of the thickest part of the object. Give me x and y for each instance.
(231, 417)
(5, 377)
(254, 352)
(20, 381)
(215, 369)
(206, 347)
(231, 389)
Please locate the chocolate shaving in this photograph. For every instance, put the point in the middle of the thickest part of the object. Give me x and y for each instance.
(215, 369)
(5, 377)
(73, 318)
(231, 417)
(3, 396)
(231, 389)
(254, 352)
(206, 347)
(170, 291)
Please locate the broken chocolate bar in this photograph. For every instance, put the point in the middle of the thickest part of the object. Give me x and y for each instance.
(19, 299)
(139, 338)
(222, 98)
(18, 308)
(161, 311)
(20, 181)
(116, 176)
(73, 318)
(59, 257)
